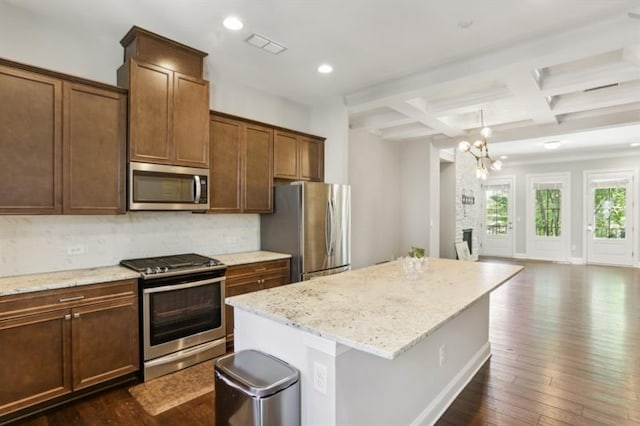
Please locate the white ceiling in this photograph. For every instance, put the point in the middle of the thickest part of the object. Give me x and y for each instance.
(406, 68)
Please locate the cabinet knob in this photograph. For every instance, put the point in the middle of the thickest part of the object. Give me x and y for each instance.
(76, 315)
(67, 317)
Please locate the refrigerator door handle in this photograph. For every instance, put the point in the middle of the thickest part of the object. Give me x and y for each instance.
(327, 228)
(332, 240)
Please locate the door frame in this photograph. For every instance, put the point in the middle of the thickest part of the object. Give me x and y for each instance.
(565, 214)
(635, 206)
(501, 180)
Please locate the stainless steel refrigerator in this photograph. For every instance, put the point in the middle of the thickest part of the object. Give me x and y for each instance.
(311, 221)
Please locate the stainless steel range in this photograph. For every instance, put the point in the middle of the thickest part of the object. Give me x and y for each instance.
(182, 311)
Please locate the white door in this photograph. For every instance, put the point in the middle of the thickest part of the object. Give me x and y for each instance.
(548, 216)
(609, 217)
(497, 220)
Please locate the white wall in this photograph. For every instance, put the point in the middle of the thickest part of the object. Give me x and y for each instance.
(374, 175)
(331, 120)
(576, 168)
(31, 244)
(414, 187)
(447, 210)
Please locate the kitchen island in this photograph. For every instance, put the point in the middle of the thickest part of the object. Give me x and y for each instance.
(372, 346)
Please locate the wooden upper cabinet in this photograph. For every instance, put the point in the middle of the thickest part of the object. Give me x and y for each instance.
(257, 169)
(241, 166)
(30, 142)
(311, 159)
(285, 155)
(150, 113)
(62, 143)
(225, 165)
(168, 100)
(94, 158)
(191, 121)
(298, 157)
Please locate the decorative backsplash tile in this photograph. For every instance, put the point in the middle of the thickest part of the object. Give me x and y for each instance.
(32, 244)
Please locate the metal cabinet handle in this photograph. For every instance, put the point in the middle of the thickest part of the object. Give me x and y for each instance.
(196, 181)
(70, 299)
(67, 317)
(260, 269)
(76, 315)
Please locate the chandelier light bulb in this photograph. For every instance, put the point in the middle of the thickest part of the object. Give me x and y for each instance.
(486, 132)
(464, 146)
(478, 144)
(496, 165)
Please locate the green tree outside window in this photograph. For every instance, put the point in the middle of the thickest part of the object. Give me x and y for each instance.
(610, 213)
(548, 222)
(497, 211)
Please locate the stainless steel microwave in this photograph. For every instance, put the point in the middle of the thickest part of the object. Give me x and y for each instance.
(161, 187)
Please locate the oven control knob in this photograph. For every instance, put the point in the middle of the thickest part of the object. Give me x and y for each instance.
(165, 269)
(148, 271)
(158, 270)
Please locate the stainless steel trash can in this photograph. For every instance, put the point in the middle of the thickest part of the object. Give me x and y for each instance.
(254, 388)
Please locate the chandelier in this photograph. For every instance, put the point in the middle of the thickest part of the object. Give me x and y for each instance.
(480, 151)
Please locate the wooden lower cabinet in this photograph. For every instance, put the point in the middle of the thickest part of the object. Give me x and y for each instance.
(54, 343)
(250, 277)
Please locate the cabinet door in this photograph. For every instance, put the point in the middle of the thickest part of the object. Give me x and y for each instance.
(224, 171)
(285, 155)
(150, 113)
(105, 341)
(94, 141)
(30, 142)
(191, 121)
(35, 363)
(257, 169)
(311, 159)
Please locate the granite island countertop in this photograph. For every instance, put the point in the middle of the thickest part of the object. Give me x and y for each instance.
(377, 309)
(62, 279)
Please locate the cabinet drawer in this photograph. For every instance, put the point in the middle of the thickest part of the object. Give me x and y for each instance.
(28, 303)
(259, 268)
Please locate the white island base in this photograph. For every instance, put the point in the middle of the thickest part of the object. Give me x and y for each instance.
(341, 385)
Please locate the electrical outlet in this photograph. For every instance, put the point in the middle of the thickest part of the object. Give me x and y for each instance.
(320, 377)
(76, 250)
(442, 355)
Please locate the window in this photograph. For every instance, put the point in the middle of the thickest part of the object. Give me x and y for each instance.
(610, 212)
(547, 212)
(497, 210)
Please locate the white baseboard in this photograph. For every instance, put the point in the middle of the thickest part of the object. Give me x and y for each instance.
(577, 261)
(520, 256)
(439, 405)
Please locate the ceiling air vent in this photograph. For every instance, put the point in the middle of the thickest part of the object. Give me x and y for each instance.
(265, 44)
(606, 86)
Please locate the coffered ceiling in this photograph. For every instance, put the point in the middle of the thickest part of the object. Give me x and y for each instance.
(409, 69)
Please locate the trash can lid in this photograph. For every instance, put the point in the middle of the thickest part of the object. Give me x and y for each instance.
(257, 373)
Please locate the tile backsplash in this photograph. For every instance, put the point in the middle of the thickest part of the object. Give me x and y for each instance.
(33, 244)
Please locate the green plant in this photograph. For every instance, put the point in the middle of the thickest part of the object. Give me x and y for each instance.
(416, 252)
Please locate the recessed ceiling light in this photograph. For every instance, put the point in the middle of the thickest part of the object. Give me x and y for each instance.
(552, 145)
(504, 157)
(232, 23)
(325, 69)
(634, 144)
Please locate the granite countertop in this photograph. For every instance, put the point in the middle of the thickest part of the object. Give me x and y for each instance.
(376, 309)
(54, 280)
(233, 259)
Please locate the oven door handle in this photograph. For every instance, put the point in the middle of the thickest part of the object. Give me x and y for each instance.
(182, 286)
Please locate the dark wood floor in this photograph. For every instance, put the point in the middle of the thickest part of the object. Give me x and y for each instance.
(566, 350)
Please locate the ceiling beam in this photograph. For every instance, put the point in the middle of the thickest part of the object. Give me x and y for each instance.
(419, 113)
(469, 102)
(379, 122)
(610, 73)
(625, 93)
(399, 134)
(524, 86)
